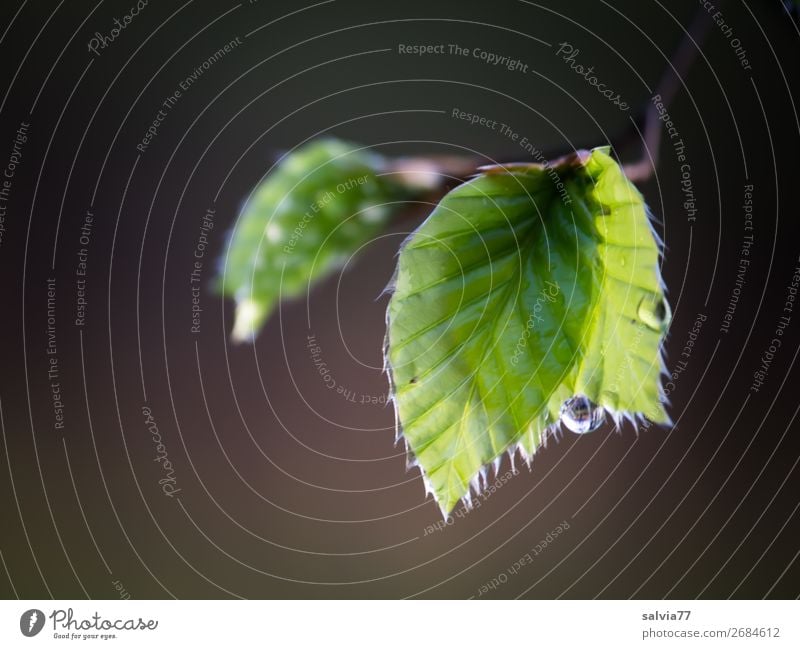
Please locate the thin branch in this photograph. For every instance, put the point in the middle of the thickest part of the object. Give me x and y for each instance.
(432, 173)
(667, 88)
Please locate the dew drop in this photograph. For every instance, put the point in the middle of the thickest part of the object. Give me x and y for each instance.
(580, 415)
(654, 314)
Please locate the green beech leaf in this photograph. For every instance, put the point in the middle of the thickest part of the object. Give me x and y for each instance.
(310, 214)
(527, 286)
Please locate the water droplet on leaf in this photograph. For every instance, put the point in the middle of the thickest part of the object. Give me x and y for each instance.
(580, 415)
(654, 313)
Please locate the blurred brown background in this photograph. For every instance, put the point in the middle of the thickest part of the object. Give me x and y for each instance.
(288, 489)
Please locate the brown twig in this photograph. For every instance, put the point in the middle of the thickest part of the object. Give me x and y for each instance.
(667, 88)
(433, 172)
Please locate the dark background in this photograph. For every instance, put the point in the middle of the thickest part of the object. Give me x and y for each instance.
(287, 489)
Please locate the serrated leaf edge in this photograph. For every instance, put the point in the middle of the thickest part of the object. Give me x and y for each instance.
(578, 158)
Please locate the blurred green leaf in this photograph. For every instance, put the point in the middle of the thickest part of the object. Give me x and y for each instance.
(526, 286)
(312, 212)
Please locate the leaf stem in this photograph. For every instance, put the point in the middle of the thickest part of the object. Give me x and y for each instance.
(431, 173)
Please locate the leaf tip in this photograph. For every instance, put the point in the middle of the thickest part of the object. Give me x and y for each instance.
(250, 315)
